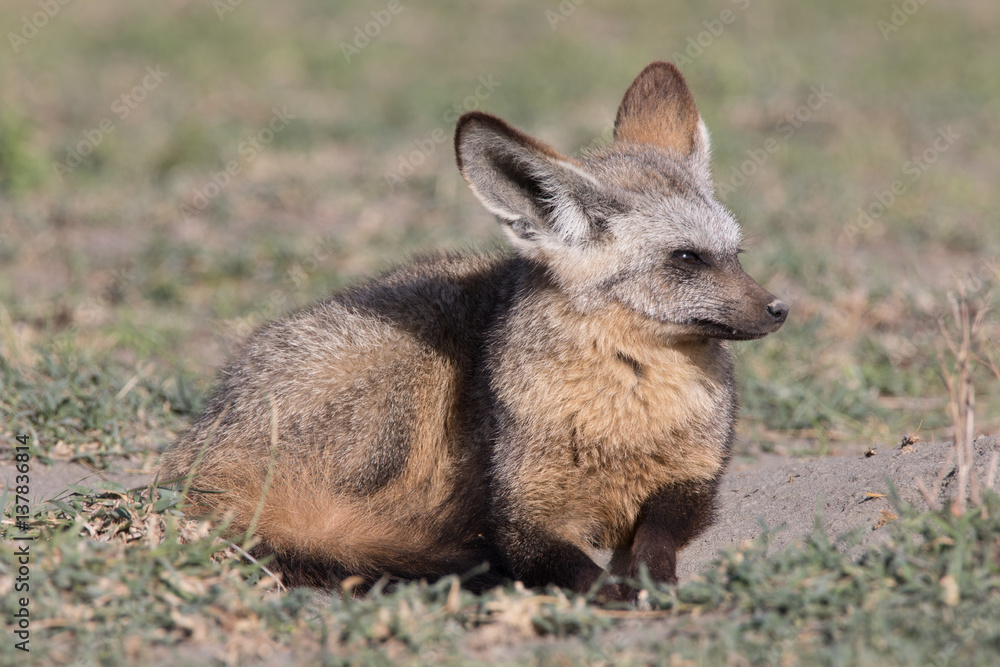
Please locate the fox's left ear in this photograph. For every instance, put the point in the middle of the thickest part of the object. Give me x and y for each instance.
(658, 109)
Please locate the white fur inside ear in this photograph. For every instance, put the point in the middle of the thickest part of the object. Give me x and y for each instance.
(700, 158)
(570, 221)
(704, 140)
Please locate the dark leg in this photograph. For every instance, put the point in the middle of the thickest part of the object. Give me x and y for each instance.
(655, 546)
(669, 519)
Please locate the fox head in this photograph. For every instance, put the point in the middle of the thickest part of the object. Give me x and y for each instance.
(635, 224)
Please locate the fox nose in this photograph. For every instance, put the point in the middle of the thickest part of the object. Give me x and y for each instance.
(778, 309)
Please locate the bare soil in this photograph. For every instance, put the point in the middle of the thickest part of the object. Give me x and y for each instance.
(791, 493)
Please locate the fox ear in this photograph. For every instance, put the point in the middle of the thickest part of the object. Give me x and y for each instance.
(658, 109)
(543, 198)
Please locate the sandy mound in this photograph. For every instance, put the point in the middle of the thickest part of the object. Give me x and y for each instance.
(790, 493)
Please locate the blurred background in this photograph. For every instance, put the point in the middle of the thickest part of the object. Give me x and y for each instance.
(173, 174)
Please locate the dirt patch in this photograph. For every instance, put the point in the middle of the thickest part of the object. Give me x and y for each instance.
(792, 493)
(48, 482)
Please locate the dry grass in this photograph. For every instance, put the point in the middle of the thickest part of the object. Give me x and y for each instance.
(963, 347)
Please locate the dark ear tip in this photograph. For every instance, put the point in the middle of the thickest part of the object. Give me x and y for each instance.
(664, 65)
(664, 70)
(470, 120)
(477, 118)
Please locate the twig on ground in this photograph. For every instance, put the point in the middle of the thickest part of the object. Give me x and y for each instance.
(991, 475)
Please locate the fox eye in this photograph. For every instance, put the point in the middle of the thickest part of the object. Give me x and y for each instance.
(688, 257)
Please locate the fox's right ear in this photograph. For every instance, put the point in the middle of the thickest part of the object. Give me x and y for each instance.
(545, 200)
(658, 109)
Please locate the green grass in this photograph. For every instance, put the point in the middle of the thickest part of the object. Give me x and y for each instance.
(78, 407)
(154, 587)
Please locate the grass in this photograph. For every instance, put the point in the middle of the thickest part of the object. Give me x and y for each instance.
(75, 409)
(155, 587)
(121, 296)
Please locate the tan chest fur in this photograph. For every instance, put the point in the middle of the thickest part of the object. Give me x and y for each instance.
(611, 417)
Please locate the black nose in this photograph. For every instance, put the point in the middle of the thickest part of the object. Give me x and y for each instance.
(778, 309)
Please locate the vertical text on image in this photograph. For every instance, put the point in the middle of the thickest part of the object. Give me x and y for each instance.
(21, 620)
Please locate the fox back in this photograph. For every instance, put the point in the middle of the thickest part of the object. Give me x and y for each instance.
(531, 409)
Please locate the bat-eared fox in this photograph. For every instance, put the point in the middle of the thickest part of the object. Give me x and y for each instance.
(529, 409)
